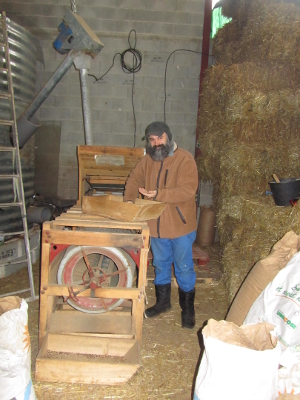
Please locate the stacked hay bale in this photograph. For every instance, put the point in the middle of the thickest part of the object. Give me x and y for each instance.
(249, 128)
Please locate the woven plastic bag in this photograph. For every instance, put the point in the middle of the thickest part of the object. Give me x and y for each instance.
(279, 304)
(238, 362)
(15, 350)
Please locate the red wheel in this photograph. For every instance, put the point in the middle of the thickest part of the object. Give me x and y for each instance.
(96, 267)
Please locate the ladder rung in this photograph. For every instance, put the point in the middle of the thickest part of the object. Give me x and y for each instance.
(14, 204)
(4, 95)
(6, 122)
(9, 176)
(3, 148)
(2, 44)
(4, 69)
(14, 293)
(12, 233)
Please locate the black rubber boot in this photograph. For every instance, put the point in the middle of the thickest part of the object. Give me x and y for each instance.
(163, 296)
(186, 301)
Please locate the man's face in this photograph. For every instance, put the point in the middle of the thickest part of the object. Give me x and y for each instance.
(158, 140)
(158, 147)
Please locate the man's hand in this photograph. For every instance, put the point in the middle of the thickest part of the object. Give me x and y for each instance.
(150, 194)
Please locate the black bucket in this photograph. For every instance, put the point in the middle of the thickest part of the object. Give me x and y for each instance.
(286, 190)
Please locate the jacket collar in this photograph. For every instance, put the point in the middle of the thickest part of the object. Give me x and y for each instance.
(173, 149)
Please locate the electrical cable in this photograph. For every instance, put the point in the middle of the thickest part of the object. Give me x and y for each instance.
(128, 69)
(165, 82)
(135, 67)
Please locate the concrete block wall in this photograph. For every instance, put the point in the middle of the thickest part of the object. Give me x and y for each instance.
(162, 28)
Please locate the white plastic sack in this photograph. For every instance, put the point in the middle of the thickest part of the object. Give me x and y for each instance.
(279, 304)
(229, 370)
(289, 380)
(15, 357)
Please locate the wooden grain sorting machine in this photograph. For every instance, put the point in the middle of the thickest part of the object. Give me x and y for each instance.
(92, 294)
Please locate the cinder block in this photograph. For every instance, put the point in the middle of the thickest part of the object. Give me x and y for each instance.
(106, 13)
(68, 102)
(102, 127)
(187, 58)
(72, 137)
(149, 105)
(140, 94)
(112, 139)
(101, 25)
(133, 4)
(69, 148)
(190, 6)
(68, 161)
(68, 194)
(197, 18)
(185, 106)
(166, 5)
(120, 128)
(41, 9)
(185, 83)
(72, 126)
(194, 70)
(178, 119)
(156, 28)
(144, 118)
(49, 101)
(112, 116)
(190, 119)
(102, 104)
(192, 96)
(177, 71)
(176, 95)
(126, 105)
(55, 114)
(151, 83)
(64, 89)
(189, 30)
(76, 114)
(91, 3)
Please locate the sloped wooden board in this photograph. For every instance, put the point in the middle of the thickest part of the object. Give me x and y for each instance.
(87, 359)
(112, 206)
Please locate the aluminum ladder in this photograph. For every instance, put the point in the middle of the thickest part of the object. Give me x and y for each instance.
(16, 176)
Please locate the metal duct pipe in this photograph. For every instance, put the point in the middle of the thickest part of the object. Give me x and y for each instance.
(50, 85)
(38, 215)
(26, 126)
(86, 106)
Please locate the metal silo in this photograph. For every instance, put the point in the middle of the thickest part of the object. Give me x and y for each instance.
(23, 54)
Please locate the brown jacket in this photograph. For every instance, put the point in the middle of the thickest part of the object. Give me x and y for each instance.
(176, 178)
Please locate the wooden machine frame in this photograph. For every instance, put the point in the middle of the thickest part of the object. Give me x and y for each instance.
(82, 347)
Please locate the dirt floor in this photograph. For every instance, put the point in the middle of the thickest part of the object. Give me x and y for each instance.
(170, 354)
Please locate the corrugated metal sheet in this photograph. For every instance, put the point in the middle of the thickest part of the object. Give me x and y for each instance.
(23, 54)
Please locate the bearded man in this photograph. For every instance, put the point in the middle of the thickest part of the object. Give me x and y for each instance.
(169, 174)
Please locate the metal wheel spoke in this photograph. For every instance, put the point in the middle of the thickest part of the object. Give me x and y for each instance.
(87, 263)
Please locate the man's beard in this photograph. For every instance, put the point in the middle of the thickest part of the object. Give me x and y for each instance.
(158, 153)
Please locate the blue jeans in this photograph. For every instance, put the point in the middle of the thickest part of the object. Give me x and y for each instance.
(176, 251)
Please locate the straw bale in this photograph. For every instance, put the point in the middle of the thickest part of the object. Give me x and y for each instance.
(245, 111)
(253, 167)
(235, 8)
(226, 44)
(257, 224)
(249, 128)
(263, 27)
(259, 212)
